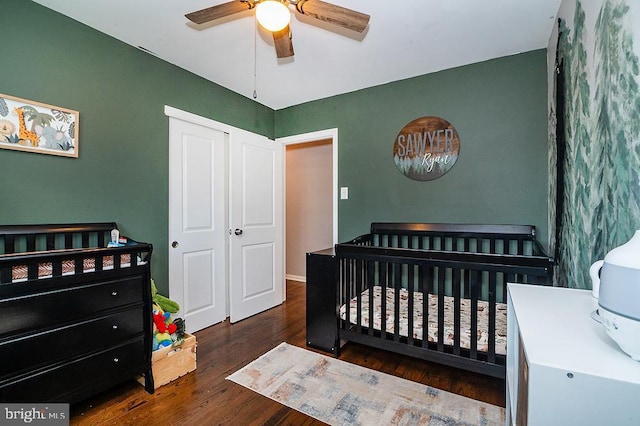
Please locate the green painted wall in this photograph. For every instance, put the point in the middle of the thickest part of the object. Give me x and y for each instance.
(122, 171)
(499, 110)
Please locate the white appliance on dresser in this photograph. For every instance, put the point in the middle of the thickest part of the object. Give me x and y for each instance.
(562, 367)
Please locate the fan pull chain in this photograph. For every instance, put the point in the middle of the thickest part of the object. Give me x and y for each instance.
(255, 61)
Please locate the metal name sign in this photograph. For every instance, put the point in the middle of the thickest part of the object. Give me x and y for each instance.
(426, 148)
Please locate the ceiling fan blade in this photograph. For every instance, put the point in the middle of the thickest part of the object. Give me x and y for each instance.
(334, 14)
(220, 11)
(283, 43)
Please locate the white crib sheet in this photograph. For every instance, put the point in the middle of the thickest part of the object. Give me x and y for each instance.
(465, 320)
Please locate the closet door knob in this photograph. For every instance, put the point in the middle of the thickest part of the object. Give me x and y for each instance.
(238, 231)
(174, 244)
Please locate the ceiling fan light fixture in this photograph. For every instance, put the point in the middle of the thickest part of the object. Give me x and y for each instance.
(273, 15)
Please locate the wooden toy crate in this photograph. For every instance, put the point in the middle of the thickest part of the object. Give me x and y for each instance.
(172, 362)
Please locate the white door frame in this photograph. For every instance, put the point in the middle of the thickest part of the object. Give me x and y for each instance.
(331, 134)
(196, 119)
(328, 134)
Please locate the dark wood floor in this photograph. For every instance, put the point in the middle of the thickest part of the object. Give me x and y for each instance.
(204, 397)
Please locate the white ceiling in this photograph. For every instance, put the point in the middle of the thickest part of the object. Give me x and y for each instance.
(405, 38)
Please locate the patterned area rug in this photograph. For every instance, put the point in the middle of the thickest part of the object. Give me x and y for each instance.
(339, 393)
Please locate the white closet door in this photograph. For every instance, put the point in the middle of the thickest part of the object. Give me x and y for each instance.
(256, 224)
(197, 223)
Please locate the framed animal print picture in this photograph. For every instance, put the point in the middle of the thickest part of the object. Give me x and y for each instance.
(36, 127)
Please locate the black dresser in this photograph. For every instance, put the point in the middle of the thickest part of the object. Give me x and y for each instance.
(69, 335)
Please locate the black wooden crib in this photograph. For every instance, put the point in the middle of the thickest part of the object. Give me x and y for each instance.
(442, 289)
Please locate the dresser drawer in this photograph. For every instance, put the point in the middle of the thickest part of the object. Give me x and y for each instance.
(42, 310)
(54, 345)
(72, 381)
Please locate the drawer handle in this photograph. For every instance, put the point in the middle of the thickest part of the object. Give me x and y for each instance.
(114, 326)
(116, 360)
(114, 293)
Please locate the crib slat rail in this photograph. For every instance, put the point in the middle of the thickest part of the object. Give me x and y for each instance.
(500, 239)
(54, 251)
(450, 277)
(32, 238)
(53, 262)
(462, 272)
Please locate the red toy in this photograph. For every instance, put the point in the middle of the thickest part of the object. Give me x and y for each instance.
(161, 321)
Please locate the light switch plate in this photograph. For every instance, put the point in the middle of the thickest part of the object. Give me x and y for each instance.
(344, 193)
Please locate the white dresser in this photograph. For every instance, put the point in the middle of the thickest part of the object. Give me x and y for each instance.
(562, 367)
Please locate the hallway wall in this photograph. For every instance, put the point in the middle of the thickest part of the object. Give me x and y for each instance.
(309, 214)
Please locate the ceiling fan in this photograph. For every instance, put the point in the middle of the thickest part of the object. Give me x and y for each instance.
(317, 9)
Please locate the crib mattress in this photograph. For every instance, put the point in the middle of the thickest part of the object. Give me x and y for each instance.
(45, 270)
(432, 329)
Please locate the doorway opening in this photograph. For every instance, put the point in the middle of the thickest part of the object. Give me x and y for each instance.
(310, 198)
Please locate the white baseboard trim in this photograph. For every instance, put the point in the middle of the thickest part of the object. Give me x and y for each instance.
(296, 278)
